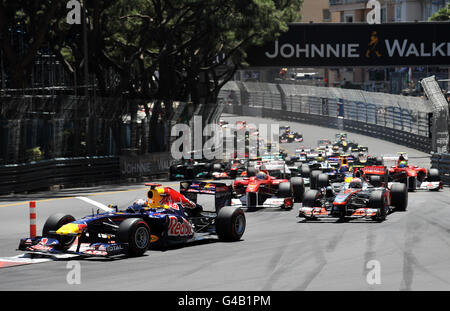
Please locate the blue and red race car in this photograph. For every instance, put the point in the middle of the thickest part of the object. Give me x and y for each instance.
(167, 217)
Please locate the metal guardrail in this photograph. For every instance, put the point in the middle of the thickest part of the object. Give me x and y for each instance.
(441, 161)
(404, 120)
(60, 171)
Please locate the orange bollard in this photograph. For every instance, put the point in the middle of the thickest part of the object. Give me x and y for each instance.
(32, 219)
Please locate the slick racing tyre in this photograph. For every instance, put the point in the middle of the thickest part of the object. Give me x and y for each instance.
(412, 183)
(313, 179)
(251, 171)
(285, 190)
(311, 198)
(322, 181)
(298, 188)
(136, 233)
(53, 223)
(375, 180)
(378, 200)
(217, 167)
(230, 223)
(433, 175)
(399, 196)
(305, 171)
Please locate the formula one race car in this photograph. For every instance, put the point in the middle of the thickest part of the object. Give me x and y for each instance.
(167, 217)
(355, 198)
(288, 136)
(264, 190)
(416, 178)
(190, 169)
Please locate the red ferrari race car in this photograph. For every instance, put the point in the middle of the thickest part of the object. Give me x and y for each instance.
(356, 197)
(264, 190)
(415, 178)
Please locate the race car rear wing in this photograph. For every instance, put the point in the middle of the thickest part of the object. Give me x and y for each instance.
(221, 191)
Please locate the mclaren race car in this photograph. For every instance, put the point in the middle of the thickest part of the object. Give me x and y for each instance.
(354, 198)
(167, 217)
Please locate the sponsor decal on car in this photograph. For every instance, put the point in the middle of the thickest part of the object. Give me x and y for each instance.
(177, 228)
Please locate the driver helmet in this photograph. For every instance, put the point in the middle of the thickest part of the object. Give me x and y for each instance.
(261, 176)
(355, 183)
(343, 168)
(139, 205)
(403, 164)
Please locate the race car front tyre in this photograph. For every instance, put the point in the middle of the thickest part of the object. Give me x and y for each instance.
(298, 188)
(285, 190)
(230, 223)
(378, 200)
(53, 223)
(399, 196)
(136, 233)
(311, 198)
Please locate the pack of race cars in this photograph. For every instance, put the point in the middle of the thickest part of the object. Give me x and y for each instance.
(333, 180)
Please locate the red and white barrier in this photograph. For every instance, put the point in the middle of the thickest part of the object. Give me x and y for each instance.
(32, 219)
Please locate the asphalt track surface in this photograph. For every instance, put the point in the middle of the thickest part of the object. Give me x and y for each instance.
(278, 251)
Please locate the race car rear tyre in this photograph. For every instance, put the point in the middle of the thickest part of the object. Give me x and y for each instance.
(230, 223)
(375, 180)
(217, 167)
(251, 171)
(399, 196)
(433, 175)
(285, 190)
(53, 223)
(322, 180)
(136, 233)
(305, 171)
(311, 198)
(412, 183)
(298, 188)
(313, 179)
(378, 200)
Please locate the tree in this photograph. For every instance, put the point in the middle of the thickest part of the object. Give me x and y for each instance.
(442, 14)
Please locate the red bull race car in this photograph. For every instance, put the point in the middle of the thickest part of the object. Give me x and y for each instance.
(166, 217)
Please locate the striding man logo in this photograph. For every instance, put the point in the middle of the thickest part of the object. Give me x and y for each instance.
(372, 46)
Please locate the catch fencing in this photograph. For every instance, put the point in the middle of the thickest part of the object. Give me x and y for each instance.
(441, 161)
(404, 120)
(67, 140)
(67, 172)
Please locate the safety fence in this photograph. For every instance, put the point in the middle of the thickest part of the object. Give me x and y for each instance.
(404, 120)
(441, 161)
(68, 140)
(66, 172)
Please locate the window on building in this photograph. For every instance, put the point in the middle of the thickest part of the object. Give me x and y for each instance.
(326, 15)
(398, 13)
(383, 15)
(349, 19)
